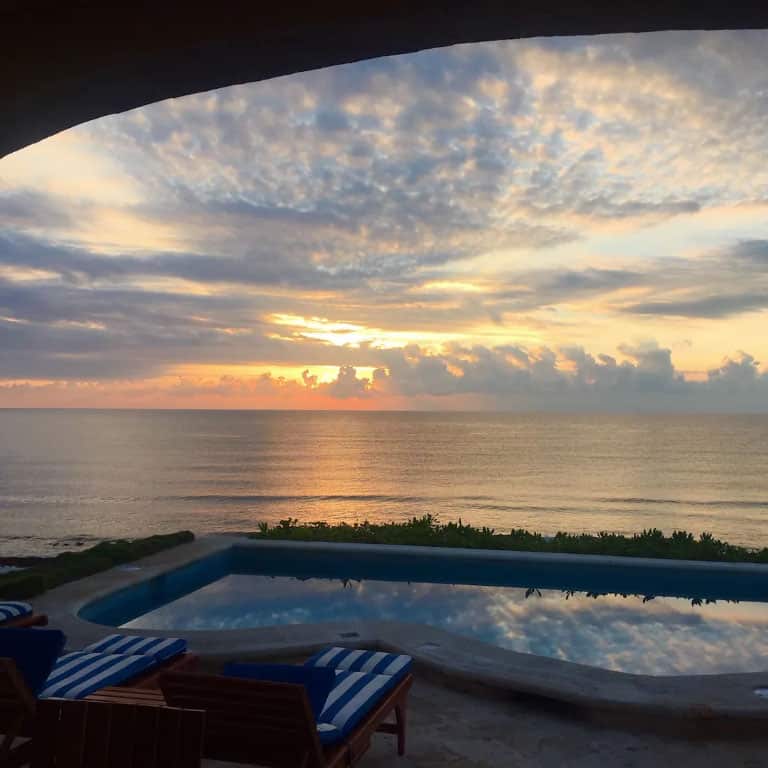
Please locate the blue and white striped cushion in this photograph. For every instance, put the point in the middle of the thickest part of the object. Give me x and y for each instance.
(13, 609)
(158, 648)
(374, 662)
(352, 697)
(79, 674)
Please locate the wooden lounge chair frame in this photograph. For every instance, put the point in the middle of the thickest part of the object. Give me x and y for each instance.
(183, 662)
(83, 734)
(18, 706)
(17, 711)
(271, 724)
(30, 620)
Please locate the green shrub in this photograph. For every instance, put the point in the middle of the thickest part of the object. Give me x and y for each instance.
(429, 531)
(70, 566)
(21, 584)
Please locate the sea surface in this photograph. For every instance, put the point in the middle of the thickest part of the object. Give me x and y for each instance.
(70, 478)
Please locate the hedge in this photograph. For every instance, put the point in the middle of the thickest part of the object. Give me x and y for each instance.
(429, 531)
(70, 566)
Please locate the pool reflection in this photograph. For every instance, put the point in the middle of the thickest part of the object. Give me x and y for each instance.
(633, 633)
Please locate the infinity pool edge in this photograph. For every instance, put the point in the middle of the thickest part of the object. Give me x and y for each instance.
(705, 699)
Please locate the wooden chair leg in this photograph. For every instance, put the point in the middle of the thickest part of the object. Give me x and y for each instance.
(6, 741)
(400, 720)
(397, 702)
(20, 756)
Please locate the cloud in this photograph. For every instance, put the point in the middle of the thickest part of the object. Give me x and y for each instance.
(737, 375)
(448, 139)
(331, 120)
(720, 282)
(479, 217)
(347, 384)
(709, 306)
(23, 209)
(572, 378)
(750, 251)
(260, 266)
(506, 377)
(516, 371)
(555, 286)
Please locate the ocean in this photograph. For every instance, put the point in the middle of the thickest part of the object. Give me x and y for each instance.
(69, 478)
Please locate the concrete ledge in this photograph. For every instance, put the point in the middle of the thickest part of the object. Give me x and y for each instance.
(725, 702)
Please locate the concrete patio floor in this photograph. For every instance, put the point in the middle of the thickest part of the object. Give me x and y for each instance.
(461, 730)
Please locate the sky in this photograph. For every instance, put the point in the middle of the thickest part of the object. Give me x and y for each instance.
(549, 224)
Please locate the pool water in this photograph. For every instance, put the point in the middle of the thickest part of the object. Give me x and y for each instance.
(660, 636)
(664, 618)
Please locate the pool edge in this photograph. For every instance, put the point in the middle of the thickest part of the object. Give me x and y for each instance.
(705, 699)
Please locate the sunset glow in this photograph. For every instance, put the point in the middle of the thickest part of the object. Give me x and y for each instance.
(546, 224)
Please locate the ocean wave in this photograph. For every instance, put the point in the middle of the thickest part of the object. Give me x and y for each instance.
(272, 498)
(490, 503)
(70, 500)
(738, 503)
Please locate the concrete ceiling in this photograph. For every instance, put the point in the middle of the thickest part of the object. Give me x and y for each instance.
(63, 63)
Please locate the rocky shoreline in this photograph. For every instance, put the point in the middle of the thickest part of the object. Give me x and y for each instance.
(21, 562)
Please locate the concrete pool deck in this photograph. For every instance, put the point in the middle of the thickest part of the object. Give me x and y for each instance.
(450, 729)
(705, 704)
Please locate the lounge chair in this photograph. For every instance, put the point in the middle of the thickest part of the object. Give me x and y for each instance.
(132, 660)
(32, 668)
(81, 734)
(17, 614)
(260, 721)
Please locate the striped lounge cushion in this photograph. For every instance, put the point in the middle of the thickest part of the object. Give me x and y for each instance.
(13, 609)
(352, 697)
(374, 662)
(157, 648)
(79, 674)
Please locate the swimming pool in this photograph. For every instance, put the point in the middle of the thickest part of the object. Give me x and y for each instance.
(649, 617)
